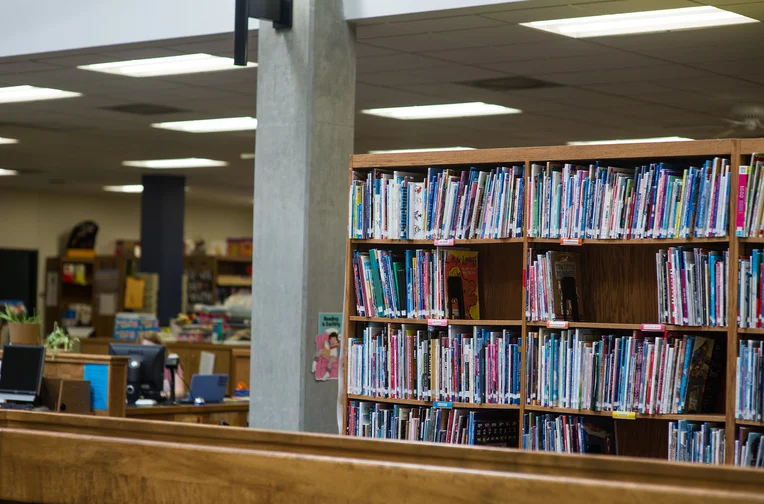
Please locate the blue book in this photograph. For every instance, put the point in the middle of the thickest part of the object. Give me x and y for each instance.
(689, 344)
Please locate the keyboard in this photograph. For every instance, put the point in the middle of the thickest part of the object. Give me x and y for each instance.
(17, 406)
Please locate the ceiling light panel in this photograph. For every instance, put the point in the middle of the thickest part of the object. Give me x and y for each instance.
(170, 65)
(6, 141)
(7, 173)
(211, 125)
(433, 149)
(16, 94)
(632, 140)
(132, 189)
(641, 22)
(169, 164)
(445, 111)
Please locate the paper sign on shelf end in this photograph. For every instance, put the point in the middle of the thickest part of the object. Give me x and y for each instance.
(437, 322)
(557, 324)
(576, 242)
(444, 243)
(653, 327)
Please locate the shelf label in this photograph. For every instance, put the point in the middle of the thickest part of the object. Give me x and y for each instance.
(625, 415)
(439, 322)
(443, 404)
(444, 243)
(575, 242)
(653, 327)
(557, 324)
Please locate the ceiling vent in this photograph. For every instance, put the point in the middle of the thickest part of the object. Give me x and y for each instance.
(146, 109)
(514, 83)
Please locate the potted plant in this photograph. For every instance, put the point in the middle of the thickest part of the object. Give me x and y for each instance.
(59, 339)
(24, 329)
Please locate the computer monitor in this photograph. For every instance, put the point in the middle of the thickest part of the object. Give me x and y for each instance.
(21, 372)
(151, 358)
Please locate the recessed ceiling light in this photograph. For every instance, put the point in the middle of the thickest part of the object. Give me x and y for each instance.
(8, 141)
(7, 173)
(130, 188)
(445, 111)
(433, 149)
(641, 22)
(247, 155)
(210, 125)
(169, 65)
(633, 140)
(168, 164)
(32, 93)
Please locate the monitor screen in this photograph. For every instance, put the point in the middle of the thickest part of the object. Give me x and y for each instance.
(21, 372)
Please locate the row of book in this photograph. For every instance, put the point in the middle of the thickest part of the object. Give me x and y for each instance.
(692, 286)
(553, 288)
(749, 450)
(469, 365)
(568, 434)
(655, 201)
(444, 204)
(751, 289)
(581, 370)
(696, 442)
(749, 371)
(417, 284)
(435, 425)
(749, 221)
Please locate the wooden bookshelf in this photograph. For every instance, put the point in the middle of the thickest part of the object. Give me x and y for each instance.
(618, 298)
(210, 277)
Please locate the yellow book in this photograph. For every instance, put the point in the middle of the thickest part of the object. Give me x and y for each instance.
(678, 218)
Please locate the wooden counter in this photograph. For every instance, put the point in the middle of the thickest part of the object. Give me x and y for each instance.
(232, 360)
(231, 412)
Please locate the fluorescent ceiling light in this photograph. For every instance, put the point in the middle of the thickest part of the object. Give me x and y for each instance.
(133, 189)
(170, 65)
(247, 155)
(633, 140)
(8, 141)
(445, 111)
(167, 164)
(433, 149)
(211, 125)
(7, 173)
(641, 22)
(32, 93)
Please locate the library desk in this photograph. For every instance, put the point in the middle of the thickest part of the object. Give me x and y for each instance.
(230, 412)
(232, 360)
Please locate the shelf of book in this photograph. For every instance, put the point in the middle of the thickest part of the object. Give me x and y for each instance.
(749, 423)
(429, 404)
(668, 242)
(438, 322)
(435, 243)
(622, 415)
(617, 277)
(652, 327)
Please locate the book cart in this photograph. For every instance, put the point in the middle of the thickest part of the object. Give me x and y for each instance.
(617, 280)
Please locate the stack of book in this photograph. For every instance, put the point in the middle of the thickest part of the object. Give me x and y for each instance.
(553, 288)
(655, 201)
(436, 425)
(749, 450)
(445, 204)
(568, 434)
(692, 286)
(469, 365)
(750, 289)
(417, 284)
(749, 221)
(648, 375)
(749, 390)
(696, 442)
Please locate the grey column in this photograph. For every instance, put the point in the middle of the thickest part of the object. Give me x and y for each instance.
(305, 112)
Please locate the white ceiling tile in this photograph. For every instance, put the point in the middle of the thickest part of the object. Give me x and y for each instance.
(604, 62)
(365, 50)
(396, 29)
(556, 48)
(450, 73)
(651, 73)
(399, 62)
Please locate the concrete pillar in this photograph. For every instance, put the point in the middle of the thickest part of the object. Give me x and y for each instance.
(163, 206)
(305, 111)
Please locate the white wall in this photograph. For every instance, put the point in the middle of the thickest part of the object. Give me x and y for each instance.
(37, 220)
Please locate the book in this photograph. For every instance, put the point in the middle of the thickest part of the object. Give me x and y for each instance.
(568, 434)
(554, 289)
(698, 373)
(462, 289)
(696, 442)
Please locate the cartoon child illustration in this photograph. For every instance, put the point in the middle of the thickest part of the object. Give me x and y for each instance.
(326, 360)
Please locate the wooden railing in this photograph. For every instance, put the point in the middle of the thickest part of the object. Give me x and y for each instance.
(41, 452)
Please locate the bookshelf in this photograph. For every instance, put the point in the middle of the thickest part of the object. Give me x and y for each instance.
(619, 298)
(211, 279)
